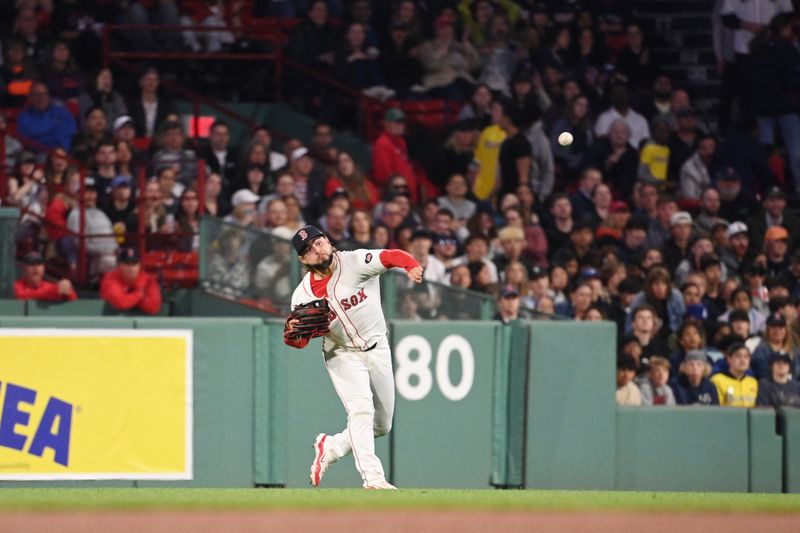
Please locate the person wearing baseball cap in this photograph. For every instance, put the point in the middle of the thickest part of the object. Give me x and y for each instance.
(507, 304)
(244, 208)
(32, 285)
(776, 247)
(124, 128)
(773, 212)
(737, 251)
(128, 287)
(390, 154)
(691, 386)
(774, 341)
(778, 389)
(357, 352)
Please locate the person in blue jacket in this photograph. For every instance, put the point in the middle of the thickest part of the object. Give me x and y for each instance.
(692, 386)
(44, 122)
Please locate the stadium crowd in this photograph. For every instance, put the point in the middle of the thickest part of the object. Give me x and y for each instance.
(578, 180)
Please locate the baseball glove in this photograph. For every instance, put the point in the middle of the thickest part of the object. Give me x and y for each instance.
(313, 321)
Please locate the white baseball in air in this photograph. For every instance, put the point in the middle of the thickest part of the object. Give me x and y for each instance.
(565, 138)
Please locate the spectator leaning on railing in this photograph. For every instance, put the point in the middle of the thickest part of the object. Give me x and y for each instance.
(33, 286)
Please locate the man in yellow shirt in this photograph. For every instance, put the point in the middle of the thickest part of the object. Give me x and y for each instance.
(654, 157)
(487, 154)
(734, 387)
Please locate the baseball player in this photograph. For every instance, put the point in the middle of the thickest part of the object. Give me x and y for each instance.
(355, 348)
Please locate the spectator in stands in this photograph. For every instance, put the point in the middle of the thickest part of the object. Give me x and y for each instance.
(657, 102)
(507, 304)
(62, 76)
(348, 176)
(677, 247)
(101, 248)
(773, 213)
(779, 389)
(515, 159)
(263, 136)
(776, 247)
(357, 62)
(734, 387)
(740, 308)
(654, 155)
(216, 204)
(582, 203)
(542, 163)
(220, 156)
(44, 122)
(692, 386)
(776, 62)
(272, 278)
(273, 213)
(775, 341)
(699, 246)
(660, 228)
(244, 208)
(93, 132)
(33, 286)
(55, 170)
(124, 130)
(17, 74)
(129, 288)
(665, 300)
(294, 214)
(487, 151)
(456, 156)
(695, 173)
(576, 122)
(736, 254)
(309, 187)
(360, 232)
(119, 206)
(634, 239)
(477, 251)
(26, 28)
(498, 56)
(228, 269)
(149, 109)
(620, 109)
(478, 108)
(627, 391)
(400, 59)
(512, 242)
(614, 156)
(736, 203)
(601, 208)
(635, 64)
(390, 153)
(447, 63)
(61, 202)
(171, 153)
(654, 388)
(683, 141)
(747, 19)
(101, 93)
(421, 242)
(456, 199)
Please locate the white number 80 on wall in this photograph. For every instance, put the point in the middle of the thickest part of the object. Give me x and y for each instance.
(420, 367)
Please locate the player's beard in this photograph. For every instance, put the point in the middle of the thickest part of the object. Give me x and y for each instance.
(323, 266)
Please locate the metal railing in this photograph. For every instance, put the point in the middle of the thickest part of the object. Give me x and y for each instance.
(257, 269)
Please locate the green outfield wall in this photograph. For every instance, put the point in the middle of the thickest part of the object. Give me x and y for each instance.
(479, 404)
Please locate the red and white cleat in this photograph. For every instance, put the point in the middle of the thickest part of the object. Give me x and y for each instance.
(321, 460)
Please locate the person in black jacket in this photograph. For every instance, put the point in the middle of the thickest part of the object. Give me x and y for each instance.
(692, 386)
(776, 88)
(779, 390)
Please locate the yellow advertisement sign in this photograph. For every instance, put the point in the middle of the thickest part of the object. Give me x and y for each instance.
(95, 404)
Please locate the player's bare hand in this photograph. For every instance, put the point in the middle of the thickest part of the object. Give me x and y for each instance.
(415, 274)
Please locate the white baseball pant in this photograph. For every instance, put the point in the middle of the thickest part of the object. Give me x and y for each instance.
(364, 382)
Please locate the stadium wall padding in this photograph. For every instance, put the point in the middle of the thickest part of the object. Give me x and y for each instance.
(570, 428)
(481, 404)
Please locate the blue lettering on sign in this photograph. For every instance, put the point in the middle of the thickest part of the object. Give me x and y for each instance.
(53, 431)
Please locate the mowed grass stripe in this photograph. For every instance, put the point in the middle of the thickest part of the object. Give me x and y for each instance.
(420, 499)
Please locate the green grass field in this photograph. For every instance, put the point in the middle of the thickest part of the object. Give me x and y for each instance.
(417, 499)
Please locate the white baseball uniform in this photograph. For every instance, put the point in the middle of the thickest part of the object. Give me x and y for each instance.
(357, 356)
